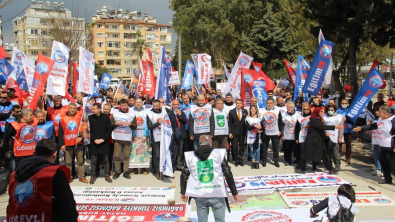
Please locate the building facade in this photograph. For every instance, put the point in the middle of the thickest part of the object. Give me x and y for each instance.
(32, 30)
(116, 32)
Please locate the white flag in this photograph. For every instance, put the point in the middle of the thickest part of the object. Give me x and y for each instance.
(87, 68)
(57, 80)
(16, 62)
(165, 165)
(234, 81)
(204, 68)
(28, 67)
(226, 70)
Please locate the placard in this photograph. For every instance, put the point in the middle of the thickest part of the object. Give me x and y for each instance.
(174, 79)
(140, 155)
(363, 198)
(257, 200)
(221, 86)
(122, 195)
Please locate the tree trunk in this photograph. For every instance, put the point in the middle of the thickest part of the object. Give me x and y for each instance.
(352, 51)
(336, 75)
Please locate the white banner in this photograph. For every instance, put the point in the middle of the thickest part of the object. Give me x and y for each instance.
(122, 195)
(57, 80)
(287, 181)
(221, 86)
(308, 199)
(204, 68)
(16, 62)
(174, 79)
(280, 215)
(28, 67)
(165, 165)
(234, 81)
(87, 69)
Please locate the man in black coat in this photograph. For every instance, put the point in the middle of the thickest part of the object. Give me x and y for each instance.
(178, 121)
(237, 118)
(100, 130)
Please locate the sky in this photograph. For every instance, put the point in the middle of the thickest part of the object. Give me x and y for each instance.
(158, 9)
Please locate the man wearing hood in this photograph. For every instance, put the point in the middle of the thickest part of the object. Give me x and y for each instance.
(205, 168)
(39, 189)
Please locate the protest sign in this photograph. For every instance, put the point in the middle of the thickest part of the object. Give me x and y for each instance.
(140, 154)
(257, 200)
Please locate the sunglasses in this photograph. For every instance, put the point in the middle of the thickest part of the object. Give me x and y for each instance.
(306, 109)
(4, 97)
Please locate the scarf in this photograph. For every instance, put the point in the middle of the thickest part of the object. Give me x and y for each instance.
(316, 114)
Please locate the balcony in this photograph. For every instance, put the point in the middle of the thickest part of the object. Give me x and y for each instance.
(129, 31)
(113, 57)
(113, 48)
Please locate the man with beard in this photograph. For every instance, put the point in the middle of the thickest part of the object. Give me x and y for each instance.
(325, 97)
(199, 120)
(229, 104)
(54, 114)
(121, 122)
(186, 109)
(131, 101)
(316, 103)
(107, 111)
(154, 121)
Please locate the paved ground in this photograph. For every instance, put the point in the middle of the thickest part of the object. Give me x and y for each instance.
(358, 172)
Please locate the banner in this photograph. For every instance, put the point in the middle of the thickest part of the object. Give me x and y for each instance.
(149, 81)
(162, 90)
(291, 72)
(188, 75)
(369, 88)
(259, 91)
(204, 68)
(130, 212)
(226, 71)
(197, 88)
(140, 154)
(287, 181)
(234, 81)
(6, 70)
(247, 80)
(195, 61)
(302, 71)
(28, 68)
(257, 66)
(16, 62)
(122, 195)
(328, 75)
(308, 199)
(269, 84)
(140, 83)
(319, 68)
(165, 164)
(280, 215)
(57, 80)
(43, 68)
(220, 86)
(122, 91)
(257, 200)
(87, 69)
(105, 81)
(22, 82)
(44, 131)
(174, 79)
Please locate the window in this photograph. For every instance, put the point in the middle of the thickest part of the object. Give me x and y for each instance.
(163, 29)
(34, 42)
(99, 44)
(101, 62)
(125, 36)
(66, 24)
(140, 27)
(127, 44)
(115, 36)
(100, 53)
(113, 44)
(152, 29)
(99, 35)
(109, 53)
(152, 37)
(127, 53)
(128, 71)
(99, 26)
(33, 21)
(44, 32)
(43, 22)
(116, 53)
(127, 62)
(162, 38)
(133, 37)
(34, 53)
(114, 27)
(45, 53)
(141, 37)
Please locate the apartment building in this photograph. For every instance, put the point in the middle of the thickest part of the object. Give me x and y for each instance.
(115, 32)
(32, 30)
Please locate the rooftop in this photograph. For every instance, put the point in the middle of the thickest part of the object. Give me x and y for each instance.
(48, 6)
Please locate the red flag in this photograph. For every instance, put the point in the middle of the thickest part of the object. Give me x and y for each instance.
(291, 72)
(248, 77)
(149, 56)
(76, 74)
(257, 66)
(41, 73)
(140, 84)
(2, 53)
(374, 66)
(70, 98)
(269, 84)
(173, 69)
(13, 84)
(149, 77)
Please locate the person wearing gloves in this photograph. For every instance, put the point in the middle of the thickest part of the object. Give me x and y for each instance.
(203, 177)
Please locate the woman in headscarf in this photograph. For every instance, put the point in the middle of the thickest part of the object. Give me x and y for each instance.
(313, 149)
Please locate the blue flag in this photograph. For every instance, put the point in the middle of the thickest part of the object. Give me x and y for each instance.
(162, 83)
(22, 81)
(188, 75)
(5, 70)
(318, 68)
(259, 91)
(302, 71)
(105, 81)
(195, 82)
(44, 131)
(95, 92)
(369, 88)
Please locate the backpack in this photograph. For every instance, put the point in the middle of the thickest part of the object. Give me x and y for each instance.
(343, 215)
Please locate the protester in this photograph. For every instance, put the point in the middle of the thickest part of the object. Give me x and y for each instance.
(100, 130)
(376, 147)
(199, 121)
(51, 197)
(107, 111)
(334, 137)
(229, 104)
(185, 107)
(220, 131)
(301, 130)
(289, 119)
(254, 135)
(154, 121)
(237, 118)
(380, 102)
(347, 131)
(207, 161)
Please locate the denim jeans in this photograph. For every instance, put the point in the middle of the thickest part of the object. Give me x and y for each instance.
(217, 206)
(376, 155)
(254, 153)
(196, 143)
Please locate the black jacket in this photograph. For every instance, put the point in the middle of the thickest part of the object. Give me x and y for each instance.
(297, 126)
(63, 203)
(10, 133)
(314, 142)
(192, 123)
(100, 128)
(203, 154)
(250, 127)
(236, 126)
(151, 125)
(173, 120)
